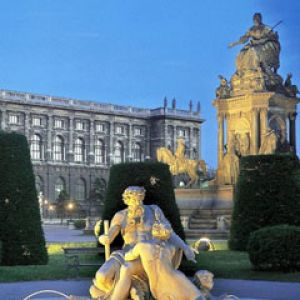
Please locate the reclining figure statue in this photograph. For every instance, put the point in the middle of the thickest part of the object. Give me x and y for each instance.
(147, 264)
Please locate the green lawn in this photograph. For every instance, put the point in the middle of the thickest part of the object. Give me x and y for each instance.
(223, 263)
(54, 270)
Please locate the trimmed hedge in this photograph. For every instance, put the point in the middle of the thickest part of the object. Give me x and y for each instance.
(139, 173)
(21, 232)
(267, 193)
(79, 224)
(275, 248)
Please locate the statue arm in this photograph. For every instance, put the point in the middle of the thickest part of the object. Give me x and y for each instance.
(133, 254)
(115, 227)
(243, 39)
(175, 239)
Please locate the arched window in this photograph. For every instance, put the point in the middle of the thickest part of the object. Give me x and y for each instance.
(39, 184)
(36, 147)
(79, 150)
(99, 152)
(137, 152)
(59, 148)
(80, 190)
(59, 186)
(119, 152)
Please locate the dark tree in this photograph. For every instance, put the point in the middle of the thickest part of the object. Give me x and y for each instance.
(96, 196)
(21, 232)
(267, 193)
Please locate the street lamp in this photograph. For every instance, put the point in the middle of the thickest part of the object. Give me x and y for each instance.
(41, 197)
(70, 207)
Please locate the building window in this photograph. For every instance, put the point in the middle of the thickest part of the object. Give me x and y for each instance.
(100, 127)
(137, 152)
(79, 150)
(79, 125)
(59, 149)
(119, 153)
(59, 187)
(58, 123)
(137, 131)
(120, 129)
(99, 152)
(14, 119)
(195, 153)
(80, 190)
(36, 147)
(182, 132)
(37, 121)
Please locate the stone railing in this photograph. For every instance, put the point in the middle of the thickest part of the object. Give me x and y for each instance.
(35, 99)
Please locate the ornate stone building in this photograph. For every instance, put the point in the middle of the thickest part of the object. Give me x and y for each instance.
(73, 143)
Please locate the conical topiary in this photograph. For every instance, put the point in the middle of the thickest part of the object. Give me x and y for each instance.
(157, 180)
(21, 232)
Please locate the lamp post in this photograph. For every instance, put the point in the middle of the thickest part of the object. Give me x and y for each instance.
(41, 197)
(70, 207)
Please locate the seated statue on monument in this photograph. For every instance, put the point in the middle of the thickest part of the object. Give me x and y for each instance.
(258, 61)
(149, 258)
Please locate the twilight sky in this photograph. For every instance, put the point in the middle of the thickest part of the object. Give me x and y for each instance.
(136, 52)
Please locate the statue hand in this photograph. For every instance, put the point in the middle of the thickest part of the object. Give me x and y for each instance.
(231, 45)
(190, 254)
(104, 239)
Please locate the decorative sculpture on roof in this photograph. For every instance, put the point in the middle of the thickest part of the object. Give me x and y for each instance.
(223, 91)
(290, 88)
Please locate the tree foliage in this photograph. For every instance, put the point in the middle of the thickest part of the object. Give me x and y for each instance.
(275, 248)
(267, 193)
(21, 232)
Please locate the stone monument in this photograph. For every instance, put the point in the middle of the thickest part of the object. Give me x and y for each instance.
(257, 110)
(180, 164)
(147, 263)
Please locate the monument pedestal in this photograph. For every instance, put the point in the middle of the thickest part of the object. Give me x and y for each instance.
(201, 210)
(251, 124)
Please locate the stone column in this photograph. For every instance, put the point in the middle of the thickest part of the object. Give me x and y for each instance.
(49, 138)
(292, 119)
(199, 143)
(3, 119)
(220, 138)
(175, 138)
(71, 143)
(27, 125)
(91, 157)
(147, 151)
(130, 157)
(111, 142)
(254, 132)
(263, 125)
(166, 134)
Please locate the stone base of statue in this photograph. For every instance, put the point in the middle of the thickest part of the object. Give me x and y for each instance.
(255, 123)
(255, 80)
(206, 211)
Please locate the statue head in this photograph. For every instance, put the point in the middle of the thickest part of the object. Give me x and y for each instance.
(205, 279)
(134, 195)
(257, 19)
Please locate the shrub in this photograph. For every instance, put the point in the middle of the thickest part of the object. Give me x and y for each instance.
(21, 232)
(267, 193)
(140, 173)
(275, 248)
(79, 224)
